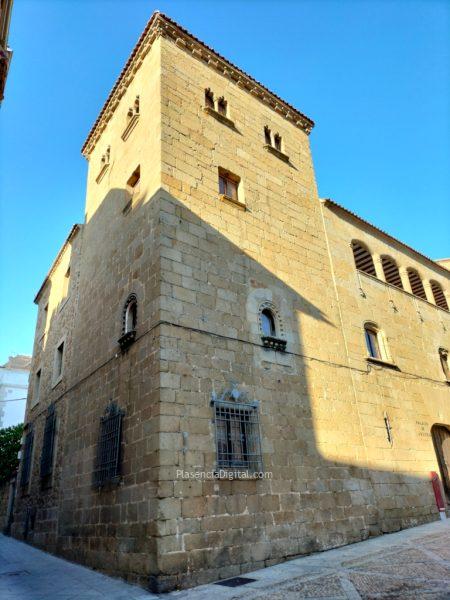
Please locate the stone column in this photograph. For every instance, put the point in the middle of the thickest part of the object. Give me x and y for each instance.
(378, 267)
(428, 291)
(405, 279)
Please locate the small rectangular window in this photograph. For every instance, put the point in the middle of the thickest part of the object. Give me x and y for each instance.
(59, 360)
(27, 456)
(48, 443)
(228, 185)
(277, 141)
(238, 444)
(37, 387)
(134, 179)
(209, 99)
(372, 343)
(267, 136)
(66, 283)
(107, 467)
(443, 354)
(222, 106)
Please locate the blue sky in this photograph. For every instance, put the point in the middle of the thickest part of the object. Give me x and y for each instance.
(375, 77)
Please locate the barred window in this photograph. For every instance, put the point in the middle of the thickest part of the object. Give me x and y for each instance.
(27, 455)
(107, 468)
(438, 295)
(48, 443)
(238, 443)
(416, 284)
(363, 259)
(391, 272)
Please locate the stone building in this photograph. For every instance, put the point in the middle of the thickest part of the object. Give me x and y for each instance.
(213, 319)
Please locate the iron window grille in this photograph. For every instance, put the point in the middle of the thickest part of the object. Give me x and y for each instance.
(27, 454)
(107, 468)
(48, 443)
(237, 429)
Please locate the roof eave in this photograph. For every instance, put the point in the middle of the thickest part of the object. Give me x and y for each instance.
(332, 204)
(160, 24)
(73, 232)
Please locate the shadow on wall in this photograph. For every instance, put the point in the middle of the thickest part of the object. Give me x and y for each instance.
(198, 311)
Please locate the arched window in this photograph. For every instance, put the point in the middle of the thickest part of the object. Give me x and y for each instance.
(438, 295)
(267, 136)
(416, 284)
(268, 323)
(130, 314)
(374, 341)
(443, 355)
(222, 106)
(363, 258)
(391, 272)
(209, 98)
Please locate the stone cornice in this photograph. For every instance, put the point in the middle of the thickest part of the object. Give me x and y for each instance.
(161, 25)
(73, 232)
(390, 238)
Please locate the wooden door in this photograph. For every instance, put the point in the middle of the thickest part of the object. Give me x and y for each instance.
(441, 440)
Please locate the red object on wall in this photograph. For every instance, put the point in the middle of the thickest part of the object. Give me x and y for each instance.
(437, 490)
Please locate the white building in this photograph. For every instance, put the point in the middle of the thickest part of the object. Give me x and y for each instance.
(13, 390)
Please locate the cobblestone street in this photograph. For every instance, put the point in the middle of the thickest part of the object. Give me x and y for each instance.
(414, 563)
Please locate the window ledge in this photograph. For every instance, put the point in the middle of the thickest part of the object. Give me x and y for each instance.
(274, 343)
(383, 363)
(219, 116)
(102, 172)
(63, 303)
(230, 200)
(130, 126)
(57, 381)
(386, 283)
(277, 153)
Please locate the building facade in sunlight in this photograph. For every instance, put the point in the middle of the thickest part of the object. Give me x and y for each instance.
(227, 370)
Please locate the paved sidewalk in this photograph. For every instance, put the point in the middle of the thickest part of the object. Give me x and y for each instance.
(414, 563)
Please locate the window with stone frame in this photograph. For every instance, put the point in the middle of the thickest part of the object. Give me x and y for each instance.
(27, 457)
(238, 444)
(391, 272)
(59, 361)
(36, 387)
(222, 106)
(229, 185)
(267, 136)
(277, 141)
(374, 342)
(107, 464)
(363, 258)
(443, 355)
(209, 99)
(438, 295)
(416, 284)
(48, 445)
(66, 283)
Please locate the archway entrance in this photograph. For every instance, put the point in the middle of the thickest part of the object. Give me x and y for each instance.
(441, 441)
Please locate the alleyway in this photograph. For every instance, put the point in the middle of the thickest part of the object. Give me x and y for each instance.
(410, 564)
